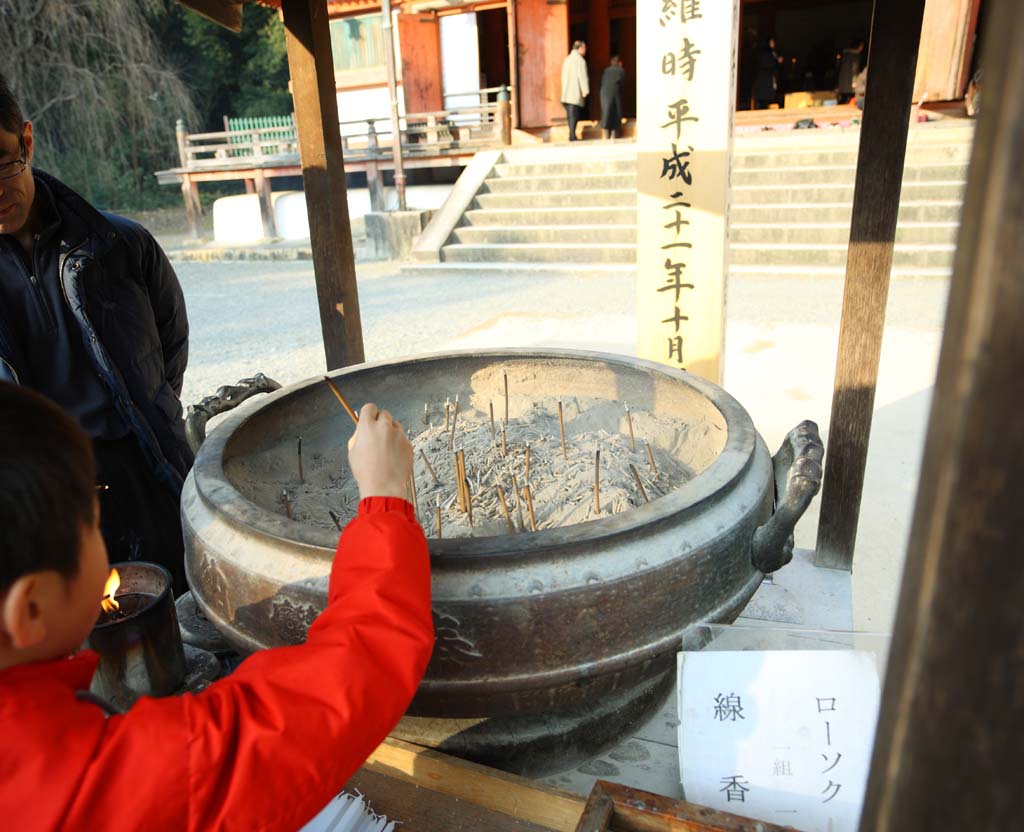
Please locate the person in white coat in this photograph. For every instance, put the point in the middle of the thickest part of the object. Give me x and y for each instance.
(575, 86)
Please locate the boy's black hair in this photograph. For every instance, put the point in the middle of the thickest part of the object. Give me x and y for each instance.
(47, 486)
(11, 118)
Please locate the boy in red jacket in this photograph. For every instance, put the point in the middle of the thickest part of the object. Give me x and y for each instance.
(265, 748)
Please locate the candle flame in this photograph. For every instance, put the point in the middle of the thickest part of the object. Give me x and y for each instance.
(109, 603)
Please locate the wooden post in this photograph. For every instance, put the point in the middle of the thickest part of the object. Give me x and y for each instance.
(396, 124)
(323, 173)
(189, 190)
(374, 181)
(952, 700)
(513, 60)
(892, 56)
(504, 116)
(262, 186)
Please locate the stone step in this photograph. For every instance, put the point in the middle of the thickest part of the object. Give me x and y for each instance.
(556, 234)
(925, 155)
(573, 215)
(625, 198)
(845, 174)
(773, 194)
(927, 255)
(583, 180)
(627, 271)
(837, 232)
(810, 212)
(540, 253)
(607, 166)
(791, 270)
(576, 155)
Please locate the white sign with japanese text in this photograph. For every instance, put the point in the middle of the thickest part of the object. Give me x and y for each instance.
(686, 90)
(781, 736)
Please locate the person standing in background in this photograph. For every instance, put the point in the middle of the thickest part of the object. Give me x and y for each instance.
(766, 80)
(575, 86)
(849, 69)
(613, 81)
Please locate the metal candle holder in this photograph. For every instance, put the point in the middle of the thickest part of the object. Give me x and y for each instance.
(141, 653)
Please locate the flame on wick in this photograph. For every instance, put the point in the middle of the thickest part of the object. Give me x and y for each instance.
(109, 603)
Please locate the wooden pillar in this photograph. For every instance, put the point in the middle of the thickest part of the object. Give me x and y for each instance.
(513, 60)
(190, 196)
(892, 56)
(323, 175)
(948, 743)
(262, 187)
(189, 189)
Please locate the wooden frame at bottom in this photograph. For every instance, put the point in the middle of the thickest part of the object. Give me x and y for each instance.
(633, 810)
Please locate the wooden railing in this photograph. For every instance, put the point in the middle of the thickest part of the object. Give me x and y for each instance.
(455, 130)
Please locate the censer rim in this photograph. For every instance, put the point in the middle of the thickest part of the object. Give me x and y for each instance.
(735, 457)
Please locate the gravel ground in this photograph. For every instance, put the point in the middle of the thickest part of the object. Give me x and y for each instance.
(262, 316)
(249, 317)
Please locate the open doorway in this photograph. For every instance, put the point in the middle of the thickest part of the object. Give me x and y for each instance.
(492, 38)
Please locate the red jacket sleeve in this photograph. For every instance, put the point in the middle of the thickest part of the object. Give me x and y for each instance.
(269, 746)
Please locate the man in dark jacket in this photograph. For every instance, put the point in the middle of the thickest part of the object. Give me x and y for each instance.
(92, 316)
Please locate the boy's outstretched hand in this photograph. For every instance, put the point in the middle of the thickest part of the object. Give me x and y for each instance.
(380, 455)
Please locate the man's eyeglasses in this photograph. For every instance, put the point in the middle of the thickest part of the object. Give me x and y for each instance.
(9, 170)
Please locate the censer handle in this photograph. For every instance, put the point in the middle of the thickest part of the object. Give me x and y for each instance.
(797, 479)
(226, 398)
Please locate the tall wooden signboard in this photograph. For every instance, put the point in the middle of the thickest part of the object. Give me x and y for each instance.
(686, 71)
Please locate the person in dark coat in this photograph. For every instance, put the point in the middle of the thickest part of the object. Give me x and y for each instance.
(849, 69)
(613, 82)
(92, 316)
(766, 78)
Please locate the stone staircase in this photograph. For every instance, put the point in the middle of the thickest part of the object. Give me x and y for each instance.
(547, 210)
(571, 210)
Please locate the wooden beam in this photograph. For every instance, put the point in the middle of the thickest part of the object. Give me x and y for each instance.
(892, 58)
(323, 174)
(527, 800)
(226, 13)
(948, 745)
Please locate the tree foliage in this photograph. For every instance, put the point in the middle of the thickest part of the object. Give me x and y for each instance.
(94, 80)
(104, 81)
(243, 74)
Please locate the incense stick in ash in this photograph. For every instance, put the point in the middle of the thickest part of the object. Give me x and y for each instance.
(650, 459)
(438, 516)
(455, 421)
(287, 504)
(527, 476)
(597, 481)
(505, 374)
(430, 467)
(629, 421)
(335, 518)
(491, 405)
(302, 477)
(529, 506)
(639, 485)
(337, 394)
(504, 508)
(561, 432)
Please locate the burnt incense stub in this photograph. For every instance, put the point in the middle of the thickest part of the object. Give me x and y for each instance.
(563, 583)
(138, 640)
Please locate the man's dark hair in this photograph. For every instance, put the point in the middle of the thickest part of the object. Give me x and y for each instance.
(11, 118)
(576, 44)
(47, 485)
